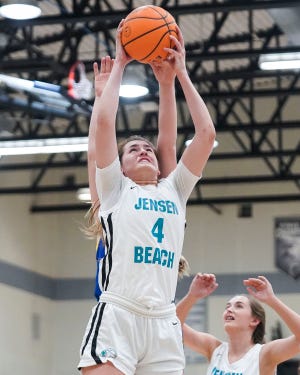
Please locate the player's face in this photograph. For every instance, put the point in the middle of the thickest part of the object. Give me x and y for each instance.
(139, 158)
(238, 314)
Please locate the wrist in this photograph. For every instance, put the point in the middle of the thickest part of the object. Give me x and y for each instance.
(192, 298)
(182, 74)
(167, 84)
(272, 301)
(119, 65)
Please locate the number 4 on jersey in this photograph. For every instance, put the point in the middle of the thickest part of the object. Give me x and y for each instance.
(157, 230)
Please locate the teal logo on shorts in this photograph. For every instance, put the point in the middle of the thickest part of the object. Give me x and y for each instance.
(108, 353)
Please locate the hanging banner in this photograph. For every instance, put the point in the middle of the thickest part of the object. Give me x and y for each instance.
(287, 245)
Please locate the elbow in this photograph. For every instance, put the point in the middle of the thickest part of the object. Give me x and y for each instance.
(207, 133)
(297, 338)
(212, 135)
(211, 130)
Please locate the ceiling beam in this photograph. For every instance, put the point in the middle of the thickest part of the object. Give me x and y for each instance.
(205, 181)
(191, 202)
(111, 18)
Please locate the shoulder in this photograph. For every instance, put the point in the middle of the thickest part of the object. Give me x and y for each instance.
(114, 167)
(181, 173)
(256, 350)
(280, 350)
(218, 349)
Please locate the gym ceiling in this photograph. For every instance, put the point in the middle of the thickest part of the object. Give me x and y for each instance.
(256, 112)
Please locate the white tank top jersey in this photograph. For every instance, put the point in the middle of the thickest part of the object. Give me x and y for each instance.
(143, 232)
(247, 365)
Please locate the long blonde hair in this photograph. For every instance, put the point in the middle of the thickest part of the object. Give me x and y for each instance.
(183, 267)
(93, 227)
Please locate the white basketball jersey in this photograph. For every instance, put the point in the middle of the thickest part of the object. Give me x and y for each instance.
(143, 232)
(247, 365)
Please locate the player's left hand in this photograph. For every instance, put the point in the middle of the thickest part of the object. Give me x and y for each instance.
(176, 55)
(260, 288)
(101, 76)
(163, 71)
(121, 55)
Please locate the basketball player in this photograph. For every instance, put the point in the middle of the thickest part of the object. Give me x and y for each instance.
(134, 329)
(166, 148)
(244, 322)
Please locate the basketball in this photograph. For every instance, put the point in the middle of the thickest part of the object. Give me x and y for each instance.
(146, 32)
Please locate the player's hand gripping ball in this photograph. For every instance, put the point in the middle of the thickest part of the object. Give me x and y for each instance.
(146, 32)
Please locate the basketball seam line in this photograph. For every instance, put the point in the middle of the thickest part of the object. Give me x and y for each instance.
(148, 32)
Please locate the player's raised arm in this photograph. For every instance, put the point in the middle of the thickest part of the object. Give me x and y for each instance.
(167, 116)
(106, 108)
(276, 351)
(100, 78)
(197, 153)
(201, 286)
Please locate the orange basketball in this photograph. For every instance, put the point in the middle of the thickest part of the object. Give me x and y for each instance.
(146, 32)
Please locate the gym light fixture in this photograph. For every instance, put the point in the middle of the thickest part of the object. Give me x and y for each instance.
(20, 9)
(133, 91)
(189, 141)
(44, 146)
(280, 61)
(49, 146)
(83, 195)
(133, 84)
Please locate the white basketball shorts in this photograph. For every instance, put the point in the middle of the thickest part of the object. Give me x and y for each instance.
(136, 340)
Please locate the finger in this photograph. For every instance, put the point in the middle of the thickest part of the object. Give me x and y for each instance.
(154, 63)
(169, 58)
(107, 64)
(120, 24)
(103, 65)
(210, 276)
(259, 282)
(263, 278)
(176, 41)
(179, 36)
(95, 68)
(111, 64)
(251, 292)
(171, 53)
(253, 280)
(207, 276)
